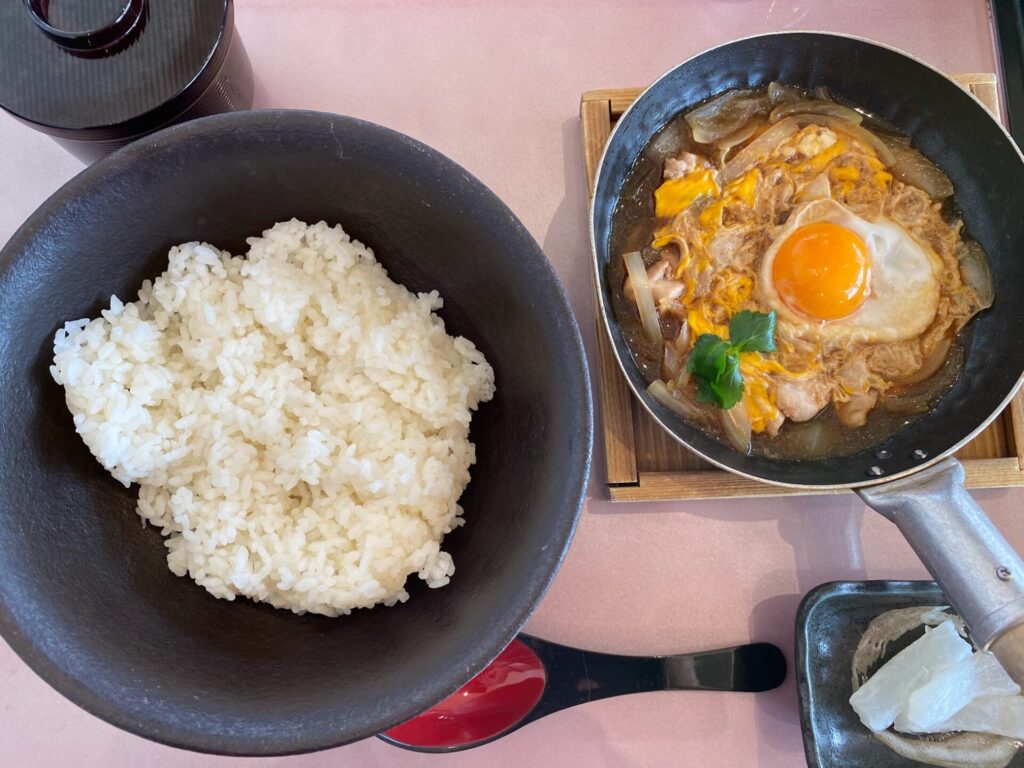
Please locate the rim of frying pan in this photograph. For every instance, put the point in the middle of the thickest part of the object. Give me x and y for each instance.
(492, 640)
(642, 396)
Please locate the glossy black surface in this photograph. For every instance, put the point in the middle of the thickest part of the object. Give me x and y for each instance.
(114, 25)
(829, 624)
(951, 128)
(1009, 20)
(575, 676)
(178, 60)
(85, 595)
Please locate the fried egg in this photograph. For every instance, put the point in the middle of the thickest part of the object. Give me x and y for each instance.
(835, 277)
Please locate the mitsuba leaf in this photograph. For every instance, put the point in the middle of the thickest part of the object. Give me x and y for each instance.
(715, 363)
(752, 331)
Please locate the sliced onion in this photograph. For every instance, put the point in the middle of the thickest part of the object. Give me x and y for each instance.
(818, 188)
(780, 93)
(723, 146)
(643, 296)
(808, 439)
(725, 114)
(674, 355)
(976, 272)
(757, 149)
(913, 168)
(816, 107)
(929, 365)
(737, 428)
(922, 396)
(675, 401)
(683, 339)
(893, 140)
(671, 362)
(666, 143)
(850, 129)
(822, 93)
(908, 404)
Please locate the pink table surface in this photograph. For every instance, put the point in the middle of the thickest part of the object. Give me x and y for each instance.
(496, 86)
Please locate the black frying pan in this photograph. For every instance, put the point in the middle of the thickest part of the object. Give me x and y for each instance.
(86, 598)
(952, 128)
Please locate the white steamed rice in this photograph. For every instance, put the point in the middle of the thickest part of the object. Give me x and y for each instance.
(297, 422)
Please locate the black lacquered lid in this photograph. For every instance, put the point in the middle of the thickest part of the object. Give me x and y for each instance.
(106, 66)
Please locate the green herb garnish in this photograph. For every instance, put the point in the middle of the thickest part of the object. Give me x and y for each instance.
(715, 363)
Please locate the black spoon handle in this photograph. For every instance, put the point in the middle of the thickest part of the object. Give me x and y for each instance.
(576, 676)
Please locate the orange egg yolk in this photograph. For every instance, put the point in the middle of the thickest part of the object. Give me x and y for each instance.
(823, 271)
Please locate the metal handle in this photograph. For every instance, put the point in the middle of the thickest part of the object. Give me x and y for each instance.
(981, 574)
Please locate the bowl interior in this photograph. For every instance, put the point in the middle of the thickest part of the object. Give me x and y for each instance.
(86, 597)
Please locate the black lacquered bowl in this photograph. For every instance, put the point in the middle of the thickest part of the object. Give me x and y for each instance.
(86, 598)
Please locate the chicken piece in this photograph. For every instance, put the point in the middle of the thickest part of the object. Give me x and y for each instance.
(687, 162)
(801, 399)
(736, 246)
(663, 287)
(855, 376)
(666, 290)
(854, 412)
(895, 361)
(910, 362)
(657, 271)
(908, 206)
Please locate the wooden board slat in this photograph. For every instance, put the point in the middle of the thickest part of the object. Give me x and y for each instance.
(644, 463)
(657, 450)
(1017, 427)
(616, 402)
(618, 99)
(990, 444)
(596, 124)
(719, 484)
(617, 411)
(985, 87)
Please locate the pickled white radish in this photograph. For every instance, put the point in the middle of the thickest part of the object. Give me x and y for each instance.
(883, 696)
(951, 690)
(1001, 715)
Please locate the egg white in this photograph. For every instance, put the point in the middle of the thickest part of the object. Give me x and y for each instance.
(903, 295)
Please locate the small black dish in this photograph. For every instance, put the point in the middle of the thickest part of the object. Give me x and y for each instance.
(829, 624)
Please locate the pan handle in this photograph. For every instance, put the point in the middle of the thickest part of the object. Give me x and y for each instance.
(981, 574)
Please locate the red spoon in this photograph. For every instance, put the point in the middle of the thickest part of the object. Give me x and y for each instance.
(532, 678)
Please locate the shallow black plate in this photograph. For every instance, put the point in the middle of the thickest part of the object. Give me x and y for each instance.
(829, 624)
